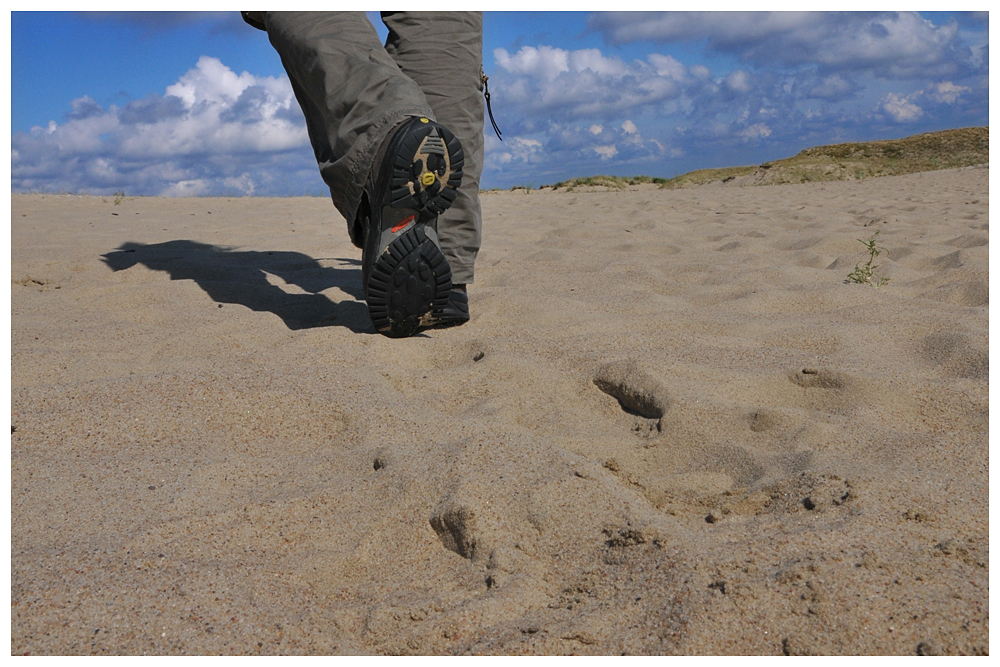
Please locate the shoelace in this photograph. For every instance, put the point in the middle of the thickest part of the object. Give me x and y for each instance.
(486, 94)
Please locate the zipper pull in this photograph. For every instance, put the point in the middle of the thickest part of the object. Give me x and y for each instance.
(486, 94)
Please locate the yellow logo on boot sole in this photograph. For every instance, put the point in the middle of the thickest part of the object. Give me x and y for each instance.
(427, 179)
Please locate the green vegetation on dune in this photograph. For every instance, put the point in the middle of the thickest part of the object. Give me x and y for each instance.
(702, 176)
(923, 152)
(947, 149)
(613, 182)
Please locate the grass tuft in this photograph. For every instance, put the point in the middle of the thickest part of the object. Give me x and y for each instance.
(865, 274)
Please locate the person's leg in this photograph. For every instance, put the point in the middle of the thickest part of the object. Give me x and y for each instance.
(442, 52)
(392, 169)
(351, 92)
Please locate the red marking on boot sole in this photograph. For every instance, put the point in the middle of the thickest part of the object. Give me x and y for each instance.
(403, 224)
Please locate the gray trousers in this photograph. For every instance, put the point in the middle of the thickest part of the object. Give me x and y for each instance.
(353, 91)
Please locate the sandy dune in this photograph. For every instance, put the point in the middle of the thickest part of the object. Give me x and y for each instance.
(671, 427)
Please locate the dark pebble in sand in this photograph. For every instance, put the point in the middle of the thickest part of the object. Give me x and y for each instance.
(927, 648)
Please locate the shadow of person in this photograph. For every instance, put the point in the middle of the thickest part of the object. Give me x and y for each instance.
(241, 277)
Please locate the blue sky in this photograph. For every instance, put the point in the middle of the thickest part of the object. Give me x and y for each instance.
(198, 103)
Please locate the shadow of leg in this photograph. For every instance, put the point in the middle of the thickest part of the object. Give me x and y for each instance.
(241, 278)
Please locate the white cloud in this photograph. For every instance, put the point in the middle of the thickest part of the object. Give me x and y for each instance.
(560, 83)
(833, 87)
(700, 71)
(195, 188)
(896, 44)
(900, 108)
(84, 107)
(606, 152)
(211, 126)
(548, 62)
(210, 81)
(593, 60)
(563, 150)
(668, 66)
(243, 183)
(545, 62)
(946, 92)
(738, 81)
(905, 109)
(755, 131)
(513, 150)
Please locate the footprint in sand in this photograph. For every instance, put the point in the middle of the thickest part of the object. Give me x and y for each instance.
(456, 523)
(638, 393)
(467, 531)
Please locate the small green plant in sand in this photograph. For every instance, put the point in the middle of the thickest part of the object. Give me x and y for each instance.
(864, 274)
(119, 197)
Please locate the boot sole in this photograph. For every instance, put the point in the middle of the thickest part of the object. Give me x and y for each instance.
(410, 282)
(427, 170)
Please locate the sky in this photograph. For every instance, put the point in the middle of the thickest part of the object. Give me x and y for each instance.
(188, 103)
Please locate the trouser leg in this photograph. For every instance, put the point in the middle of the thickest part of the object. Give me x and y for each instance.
(351, 92)
(442, 52)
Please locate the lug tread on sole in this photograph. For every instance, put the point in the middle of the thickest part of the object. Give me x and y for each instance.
(406, 190)
(398, 302)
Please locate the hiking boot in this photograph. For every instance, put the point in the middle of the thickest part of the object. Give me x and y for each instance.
(406, 278)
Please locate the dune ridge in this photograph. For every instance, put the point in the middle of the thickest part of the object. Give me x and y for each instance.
(930, 151)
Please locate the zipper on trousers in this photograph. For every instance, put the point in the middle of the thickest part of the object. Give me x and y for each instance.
(486, 94)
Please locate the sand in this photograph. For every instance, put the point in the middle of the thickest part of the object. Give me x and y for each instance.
(671, 427)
